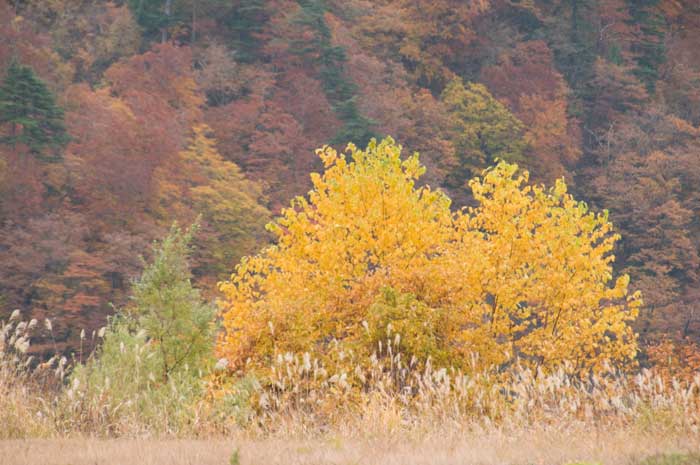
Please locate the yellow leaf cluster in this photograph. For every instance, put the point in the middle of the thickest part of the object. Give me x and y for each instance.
(525, 276)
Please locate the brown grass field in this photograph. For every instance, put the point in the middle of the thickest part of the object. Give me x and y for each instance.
(608, 447)
(402, 417)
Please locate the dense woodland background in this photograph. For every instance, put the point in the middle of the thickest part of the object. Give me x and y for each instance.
(118, 118)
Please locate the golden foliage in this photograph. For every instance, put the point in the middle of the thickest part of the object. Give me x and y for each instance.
(525, 276)
(483, 129)
(202, 182)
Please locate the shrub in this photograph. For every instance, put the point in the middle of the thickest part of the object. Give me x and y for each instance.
(525, 276)
(675, 359)
(420, 331)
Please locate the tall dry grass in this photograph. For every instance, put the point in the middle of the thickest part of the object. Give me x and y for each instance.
(382, 397)
(392, 397)
(24, 382)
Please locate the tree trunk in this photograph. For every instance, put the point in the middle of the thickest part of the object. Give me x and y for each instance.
(164, 30)
(194, 21)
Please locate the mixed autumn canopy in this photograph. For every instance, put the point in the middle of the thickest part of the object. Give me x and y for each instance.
(118, 118)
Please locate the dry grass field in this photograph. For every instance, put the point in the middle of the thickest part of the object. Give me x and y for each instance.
(302, 416)
(608, 447)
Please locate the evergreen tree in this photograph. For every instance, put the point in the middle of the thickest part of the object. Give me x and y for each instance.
(153, 357)
(28, 112)
(245, 22)
(572, 37)
(331, 62)
(649, 49)
(578, 62)
(356, 127)
(154, 16)
(159, 18)
(170, 310)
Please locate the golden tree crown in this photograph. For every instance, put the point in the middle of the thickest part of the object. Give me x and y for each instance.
(525, 276)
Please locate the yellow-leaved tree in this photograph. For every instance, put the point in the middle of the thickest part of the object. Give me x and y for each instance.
(525, 276)
(201, 182)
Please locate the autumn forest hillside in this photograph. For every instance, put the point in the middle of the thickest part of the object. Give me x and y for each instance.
(119, 118)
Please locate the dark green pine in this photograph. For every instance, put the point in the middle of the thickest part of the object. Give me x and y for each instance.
(245, 22)
(28, 112)
(331, 60)
(150, 14)
(649, 46)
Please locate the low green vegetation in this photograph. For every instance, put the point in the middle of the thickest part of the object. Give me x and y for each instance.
(155, 355)
(672, 459)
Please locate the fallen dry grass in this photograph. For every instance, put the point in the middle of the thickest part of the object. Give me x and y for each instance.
(609, 447)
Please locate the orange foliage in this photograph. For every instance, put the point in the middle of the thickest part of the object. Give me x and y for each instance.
(428, 36)
(414, 116)
(21, 40)
(263, 135)
(159, 86)
(130, 109)
(528, 81)
(113, 156)
(648, 167)
(675, 359)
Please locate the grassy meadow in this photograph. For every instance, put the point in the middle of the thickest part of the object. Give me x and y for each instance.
(404, 416)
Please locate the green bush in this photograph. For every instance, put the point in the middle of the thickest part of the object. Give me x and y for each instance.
(178, 322)
(150, 368)
(402, 320)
